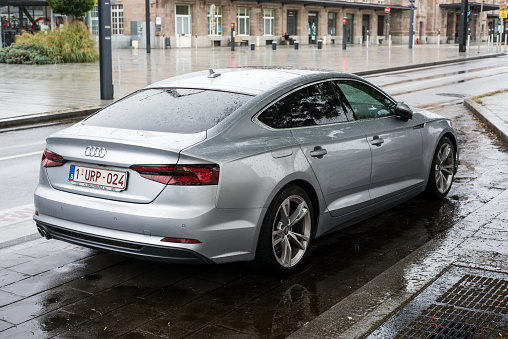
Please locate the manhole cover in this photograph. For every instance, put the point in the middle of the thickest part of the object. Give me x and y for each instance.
(461, 303)
(453, 95)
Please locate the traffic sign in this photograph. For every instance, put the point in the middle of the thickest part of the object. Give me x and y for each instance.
(387, 9)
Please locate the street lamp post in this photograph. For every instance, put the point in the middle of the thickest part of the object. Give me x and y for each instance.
(105, 61)
(463, 26)
(147, 15)
(411, 14)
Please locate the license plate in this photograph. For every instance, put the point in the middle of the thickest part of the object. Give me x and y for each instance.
(98, 178)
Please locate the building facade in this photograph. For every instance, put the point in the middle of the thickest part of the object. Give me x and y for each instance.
(205, 23)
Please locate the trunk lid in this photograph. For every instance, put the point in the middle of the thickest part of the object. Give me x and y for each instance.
(104, 149)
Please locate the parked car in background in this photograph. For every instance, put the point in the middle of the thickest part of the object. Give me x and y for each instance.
(239, 165)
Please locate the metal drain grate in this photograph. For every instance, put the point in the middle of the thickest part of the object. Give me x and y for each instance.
(461, 303)
(475, 307)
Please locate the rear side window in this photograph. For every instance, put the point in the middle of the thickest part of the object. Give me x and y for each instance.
(169, 110)
(317, 104)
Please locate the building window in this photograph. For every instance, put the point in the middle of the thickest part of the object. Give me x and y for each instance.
(117, 19)
(381, 2)
(214, 20)
(332, 23)
(242, 21)
(366, 1)
(268, 21)
(93, 20)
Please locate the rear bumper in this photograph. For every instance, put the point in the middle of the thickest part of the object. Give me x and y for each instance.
(225, 235)
(129, 248)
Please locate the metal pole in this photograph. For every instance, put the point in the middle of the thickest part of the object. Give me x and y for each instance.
(438, 37)
(147, 10)
(411, 14)
(463, 26)
(468, 38)
(105, 62)
(232, 36)
(480, 26)
(344, 32)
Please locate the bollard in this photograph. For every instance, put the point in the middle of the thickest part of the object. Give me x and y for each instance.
(252, 46)
(319, 44)
(274, 45)
(296, 44)
(367, 40)
(390, 41)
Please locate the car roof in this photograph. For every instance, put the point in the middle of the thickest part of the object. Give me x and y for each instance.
(252, 80)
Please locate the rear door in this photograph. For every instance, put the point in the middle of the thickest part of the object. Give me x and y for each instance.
(334, 145)
(396, 144)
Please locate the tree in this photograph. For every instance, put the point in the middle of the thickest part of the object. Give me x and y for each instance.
(77, 8)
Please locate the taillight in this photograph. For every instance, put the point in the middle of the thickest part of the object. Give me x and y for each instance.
(50, 159)
(180, 175)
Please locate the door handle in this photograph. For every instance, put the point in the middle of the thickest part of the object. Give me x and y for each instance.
(318, 152)
(377, 141)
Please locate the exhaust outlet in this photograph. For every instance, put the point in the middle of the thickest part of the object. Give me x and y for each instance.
(43, 232)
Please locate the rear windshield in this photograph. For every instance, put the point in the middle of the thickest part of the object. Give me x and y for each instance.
(169, 110)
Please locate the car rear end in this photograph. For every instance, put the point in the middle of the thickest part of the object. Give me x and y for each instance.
(117, 181)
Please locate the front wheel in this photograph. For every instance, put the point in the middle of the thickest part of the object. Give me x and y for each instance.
(285, 234)
(442, 170)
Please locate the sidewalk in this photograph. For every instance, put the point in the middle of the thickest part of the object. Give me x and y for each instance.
(33, 94)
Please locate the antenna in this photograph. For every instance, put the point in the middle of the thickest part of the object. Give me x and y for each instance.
(212, 74)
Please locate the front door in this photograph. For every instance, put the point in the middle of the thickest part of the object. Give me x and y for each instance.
(183, 26)
(349, 24)
(396, 145)
(291, 29)
(312, 27)
(365, 27)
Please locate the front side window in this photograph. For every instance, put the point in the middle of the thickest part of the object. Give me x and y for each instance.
(214, 20)
(268, 22)
(366, 101)
(313, 105)
(243, 21)
(170, 110)
(332, 23)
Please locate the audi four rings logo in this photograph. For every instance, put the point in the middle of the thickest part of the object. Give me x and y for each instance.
(98, 152)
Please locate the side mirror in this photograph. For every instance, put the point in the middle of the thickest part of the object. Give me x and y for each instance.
(403, 111)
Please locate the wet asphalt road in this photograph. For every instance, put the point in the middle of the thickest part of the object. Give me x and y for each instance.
(52, 289)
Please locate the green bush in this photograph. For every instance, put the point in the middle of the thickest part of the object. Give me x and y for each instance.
(71, 43)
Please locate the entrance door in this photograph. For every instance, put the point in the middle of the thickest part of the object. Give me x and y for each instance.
(291, 29)
(365, 27)
(312, 27)
(183, 26)
(349, 24)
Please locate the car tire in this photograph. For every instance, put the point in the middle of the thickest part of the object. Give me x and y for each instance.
(285, 234)
(442, 170)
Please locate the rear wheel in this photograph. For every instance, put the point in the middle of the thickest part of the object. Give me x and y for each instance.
(442, 170)
(285, 234)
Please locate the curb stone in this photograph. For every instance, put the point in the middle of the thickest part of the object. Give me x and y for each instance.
(487, 117)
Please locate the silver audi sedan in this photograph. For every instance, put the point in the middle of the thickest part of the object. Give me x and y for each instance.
(239, 165)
